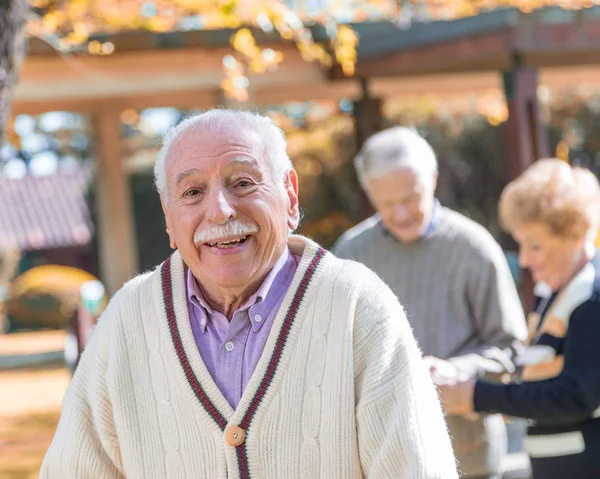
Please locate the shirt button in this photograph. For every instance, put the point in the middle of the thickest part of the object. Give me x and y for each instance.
(235, 436)
(258, 318)
(229, 346)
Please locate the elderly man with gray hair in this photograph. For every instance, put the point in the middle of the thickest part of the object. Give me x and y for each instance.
(449, 273)
(250, 352)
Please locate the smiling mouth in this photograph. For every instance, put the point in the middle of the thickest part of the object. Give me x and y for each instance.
(404, 226)
(228, 244)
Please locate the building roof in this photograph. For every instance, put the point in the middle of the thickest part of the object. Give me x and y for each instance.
(45, 212)
(184, 69)
(377, 37)
(492, 41)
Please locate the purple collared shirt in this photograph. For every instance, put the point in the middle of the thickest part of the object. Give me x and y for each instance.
(231, 349)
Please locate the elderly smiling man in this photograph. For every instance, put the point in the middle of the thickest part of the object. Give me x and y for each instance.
(449, 273)
(250, 352)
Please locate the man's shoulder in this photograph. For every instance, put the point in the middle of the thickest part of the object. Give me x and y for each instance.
(355, 270)
(128, 300)
(138, 283)
(357, 235)
(468, 234)
(374, 304)
(355, 278)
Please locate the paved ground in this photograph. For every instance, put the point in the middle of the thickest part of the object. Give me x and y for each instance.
(30, 401)
(31, 349)
(31, 342)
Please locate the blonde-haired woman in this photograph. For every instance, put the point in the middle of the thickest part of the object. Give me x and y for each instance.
(553, 212)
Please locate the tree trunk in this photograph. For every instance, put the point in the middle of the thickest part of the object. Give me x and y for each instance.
(13, 17)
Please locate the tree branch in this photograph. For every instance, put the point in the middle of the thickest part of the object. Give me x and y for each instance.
(13, 17)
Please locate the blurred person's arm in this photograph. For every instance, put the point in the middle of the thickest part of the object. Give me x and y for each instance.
(400, 427)
(497, 314)
(85, 444)
(569, 398)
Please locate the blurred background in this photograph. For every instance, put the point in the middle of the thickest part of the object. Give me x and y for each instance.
(87, 89)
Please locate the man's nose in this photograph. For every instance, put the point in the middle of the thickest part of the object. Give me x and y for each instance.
(400, 213)
(218, 209)
(523, 259)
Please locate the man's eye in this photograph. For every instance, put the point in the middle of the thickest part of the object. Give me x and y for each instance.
(243, 184)
(192, 192)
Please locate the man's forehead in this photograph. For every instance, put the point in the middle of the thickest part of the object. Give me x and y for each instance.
(192, 147)
(397, 177)
(208, 139)
(397, 183)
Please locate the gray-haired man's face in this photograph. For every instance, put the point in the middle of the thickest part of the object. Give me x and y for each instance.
(404, 201)
(227, 214)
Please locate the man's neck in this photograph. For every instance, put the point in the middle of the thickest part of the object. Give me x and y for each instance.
(229, 302)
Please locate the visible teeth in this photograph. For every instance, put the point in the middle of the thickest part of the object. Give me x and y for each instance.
(228, 244)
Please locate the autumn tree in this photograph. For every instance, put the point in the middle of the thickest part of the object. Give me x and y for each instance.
(70, 26)
(13, 17)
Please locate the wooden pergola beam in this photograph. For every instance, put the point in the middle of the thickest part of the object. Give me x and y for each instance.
(479, 53)
(541, 45)
(186, 99)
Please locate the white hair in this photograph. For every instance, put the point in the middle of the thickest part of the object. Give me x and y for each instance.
(393, 149)
(271, 137)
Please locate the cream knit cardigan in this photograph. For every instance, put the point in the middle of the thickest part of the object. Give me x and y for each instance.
(339, 392)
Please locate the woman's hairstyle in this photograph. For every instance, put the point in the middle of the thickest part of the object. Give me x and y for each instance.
(564, 198)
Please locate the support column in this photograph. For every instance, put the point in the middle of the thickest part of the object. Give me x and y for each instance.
(526, 138)
(526, 134)
(116, 233)
(368, 119)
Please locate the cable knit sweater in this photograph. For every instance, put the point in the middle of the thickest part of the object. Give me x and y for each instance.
(339, 392)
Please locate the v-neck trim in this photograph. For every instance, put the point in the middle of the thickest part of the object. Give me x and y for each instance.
(563, 302)
(272, 362)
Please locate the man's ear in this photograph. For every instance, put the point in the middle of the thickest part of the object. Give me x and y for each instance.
(291, 189)
(165, 209)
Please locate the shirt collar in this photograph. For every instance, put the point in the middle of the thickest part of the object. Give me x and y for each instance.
(257, 304)
(434, 222)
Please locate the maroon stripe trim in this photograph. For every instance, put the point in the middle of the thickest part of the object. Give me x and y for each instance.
(206, 403)
(242, 457)
(274, 361)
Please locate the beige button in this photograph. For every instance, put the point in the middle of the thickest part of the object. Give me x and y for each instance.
(235, 436)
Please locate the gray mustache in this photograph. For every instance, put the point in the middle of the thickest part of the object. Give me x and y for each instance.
(218, 232)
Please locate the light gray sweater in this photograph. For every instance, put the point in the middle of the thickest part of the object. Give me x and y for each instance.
(462, 303)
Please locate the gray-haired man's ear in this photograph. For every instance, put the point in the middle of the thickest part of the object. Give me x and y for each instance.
(291, 188)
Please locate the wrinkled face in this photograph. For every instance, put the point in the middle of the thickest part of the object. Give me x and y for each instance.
(404, 201)
(550, 258)
(225, 211)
